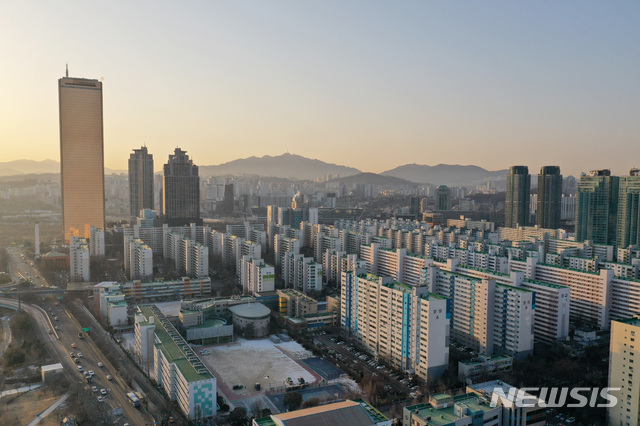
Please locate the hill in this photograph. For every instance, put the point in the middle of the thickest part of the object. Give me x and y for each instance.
(283, 166)
(446, 174)
(374, 179)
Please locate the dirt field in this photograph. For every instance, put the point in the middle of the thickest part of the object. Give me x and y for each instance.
(247, 362)
(20, 410)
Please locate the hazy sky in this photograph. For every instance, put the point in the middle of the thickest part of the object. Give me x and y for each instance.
(370, 84)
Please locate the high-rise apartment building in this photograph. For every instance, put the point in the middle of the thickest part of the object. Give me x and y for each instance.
(549, 205)
(517, 203)
(78, 259)
(623, 352)
(629, 210)
(81, 155)
(181, 190)
(597, 207)
(406, 326)
(140, 181)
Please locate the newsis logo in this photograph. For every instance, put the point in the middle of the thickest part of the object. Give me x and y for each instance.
(545, 397)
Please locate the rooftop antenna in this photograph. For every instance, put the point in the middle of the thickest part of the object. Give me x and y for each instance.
(67, 74)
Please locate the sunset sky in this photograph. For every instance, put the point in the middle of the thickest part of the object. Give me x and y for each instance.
(369, 84)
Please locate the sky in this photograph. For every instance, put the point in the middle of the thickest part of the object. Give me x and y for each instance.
(368, 84)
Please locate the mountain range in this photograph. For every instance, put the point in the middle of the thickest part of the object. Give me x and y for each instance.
(284, 166)
(28, 167)
(296, 167)
(446, 174)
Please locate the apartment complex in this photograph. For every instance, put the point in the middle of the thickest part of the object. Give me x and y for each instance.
(405, 325)
(176, 367)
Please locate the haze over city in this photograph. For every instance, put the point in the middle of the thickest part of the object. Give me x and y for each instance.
(371, 86)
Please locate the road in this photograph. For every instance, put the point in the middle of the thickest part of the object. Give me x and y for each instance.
(19, 268)
(69, 328)
(61, 348)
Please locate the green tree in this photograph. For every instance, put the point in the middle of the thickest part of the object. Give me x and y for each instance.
(238, 417)
(13, 357)
(292, 400)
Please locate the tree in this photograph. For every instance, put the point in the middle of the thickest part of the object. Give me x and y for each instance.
(13, 357)
(238, 417)
(292, 400)
(312, 402)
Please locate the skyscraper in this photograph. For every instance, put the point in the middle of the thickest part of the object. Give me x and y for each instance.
(549, 197)
(140, 181)
(443, 198)
(81, 155)
(629, 210)
(181, 190)
(517, 203)
(597, 207)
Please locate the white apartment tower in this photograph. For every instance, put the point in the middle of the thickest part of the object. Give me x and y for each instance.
(79, 259)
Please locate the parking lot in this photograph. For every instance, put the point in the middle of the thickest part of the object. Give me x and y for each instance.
(339, 352)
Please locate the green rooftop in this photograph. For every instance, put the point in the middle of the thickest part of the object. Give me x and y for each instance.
(172, 351)
(446, 416)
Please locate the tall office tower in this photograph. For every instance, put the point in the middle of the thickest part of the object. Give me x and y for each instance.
(140, 181)
(597, 207)
(549, 197)
(629, 210)
(443, 198)
(181, 189)
(517, 204)
(414, 205)
(81, 155)
(622, 354)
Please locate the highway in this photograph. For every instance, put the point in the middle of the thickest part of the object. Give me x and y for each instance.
(62, 347)
(19, 268)
(53, 317)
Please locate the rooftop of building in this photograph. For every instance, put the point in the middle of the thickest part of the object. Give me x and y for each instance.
(184, 358)
(635, 321)
(295, 293)
(483, 359)
(446, 416)
(352, 413)
(251, 310)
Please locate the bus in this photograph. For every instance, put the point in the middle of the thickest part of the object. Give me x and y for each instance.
(133, 398)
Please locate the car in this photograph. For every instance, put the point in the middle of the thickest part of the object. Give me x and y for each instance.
(57, 328)
(76, 360)
(72, 355)
(79, 354)
(109, 377)
(73, 345)
(55, 318)
(100, 365)
(50, 331)
(100, 399)
(80, 369)
(94, 388)
(103, 391)
(91, 372)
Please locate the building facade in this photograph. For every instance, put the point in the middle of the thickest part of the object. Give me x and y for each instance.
(517, 202)
(140, 181)
(181, 190)
(81, 155)
(549, 206)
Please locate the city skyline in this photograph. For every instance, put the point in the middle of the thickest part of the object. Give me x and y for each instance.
(440, 82)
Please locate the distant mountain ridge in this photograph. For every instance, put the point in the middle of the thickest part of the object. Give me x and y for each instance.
(300, 168)
(27, 167)
(283, 166)
(373, 179)
(445, 174)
